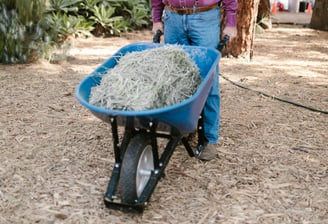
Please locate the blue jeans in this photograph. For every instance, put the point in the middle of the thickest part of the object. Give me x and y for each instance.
(200, 29)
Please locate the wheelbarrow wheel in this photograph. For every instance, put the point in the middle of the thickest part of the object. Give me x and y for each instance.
(137, 165)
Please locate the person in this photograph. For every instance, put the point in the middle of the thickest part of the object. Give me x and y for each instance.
(197, 22)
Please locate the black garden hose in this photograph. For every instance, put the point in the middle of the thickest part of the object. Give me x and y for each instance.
(275, 97)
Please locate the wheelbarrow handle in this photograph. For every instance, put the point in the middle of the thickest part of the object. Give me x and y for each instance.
(157, 36)
(223, 42)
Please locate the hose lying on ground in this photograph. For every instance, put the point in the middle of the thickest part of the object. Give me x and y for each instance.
(274, 97)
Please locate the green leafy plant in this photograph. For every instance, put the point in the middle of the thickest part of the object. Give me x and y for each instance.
(66, 6)
(29, 29)
(136, 12)
(106, 21)
(68, 25)
(108, 17)
(139, 17)
(86, 6)
(22, 35)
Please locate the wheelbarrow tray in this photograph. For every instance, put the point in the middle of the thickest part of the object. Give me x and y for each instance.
(183, 116)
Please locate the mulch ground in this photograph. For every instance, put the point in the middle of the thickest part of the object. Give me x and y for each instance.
(272, 164)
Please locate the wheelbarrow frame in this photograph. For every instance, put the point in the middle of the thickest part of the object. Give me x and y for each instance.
(165, 123)
(160, 161)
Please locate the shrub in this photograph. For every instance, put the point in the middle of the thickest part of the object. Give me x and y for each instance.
(100, 17)
(22, 31)
(29, 29)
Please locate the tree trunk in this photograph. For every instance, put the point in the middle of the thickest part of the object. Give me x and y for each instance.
(319, 19)
(242, 45)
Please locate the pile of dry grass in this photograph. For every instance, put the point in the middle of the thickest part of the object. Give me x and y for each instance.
(148, 79)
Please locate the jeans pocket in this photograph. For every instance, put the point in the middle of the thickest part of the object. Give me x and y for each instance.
(213, 14)
(166, 15)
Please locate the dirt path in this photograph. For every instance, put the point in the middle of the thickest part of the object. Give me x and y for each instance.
(56, 157)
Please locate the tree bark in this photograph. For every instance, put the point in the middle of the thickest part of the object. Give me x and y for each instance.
(319, 19)
(242, 45)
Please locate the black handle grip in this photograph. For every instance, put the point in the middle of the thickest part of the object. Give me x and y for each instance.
(157, 36)
(223, 42)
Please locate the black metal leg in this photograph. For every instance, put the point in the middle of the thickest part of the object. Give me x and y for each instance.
(153, 127)
(201, 138)
(188, 147)
(113, 183)
(113, 123)
(201, 135)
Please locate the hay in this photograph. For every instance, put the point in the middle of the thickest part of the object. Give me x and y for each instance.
(148, 79)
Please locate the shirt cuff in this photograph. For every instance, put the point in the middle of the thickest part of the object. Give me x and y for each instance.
(231, 19)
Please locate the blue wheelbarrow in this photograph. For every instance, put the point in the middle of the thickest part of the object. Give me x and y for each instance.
(139, 161)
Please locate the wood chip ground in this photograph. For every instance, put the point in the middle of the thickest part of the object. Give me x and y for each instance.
(272, 164)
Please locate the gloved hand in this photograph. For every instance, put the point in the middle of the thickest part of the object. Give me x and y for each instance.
(158, 26)
(231, 31)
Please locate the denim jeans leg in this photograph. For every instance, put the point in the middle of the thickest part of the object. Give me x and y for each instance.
(200, 29)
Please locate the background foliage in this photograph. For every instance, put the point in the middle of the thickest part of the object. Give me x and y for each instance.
(22, 34)
(30, 29)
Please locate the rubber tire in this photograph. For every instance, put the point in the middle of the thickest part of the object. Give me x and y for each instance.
(129, 170)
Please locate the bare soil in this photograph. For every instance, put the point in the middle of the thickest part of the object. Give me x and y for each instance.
(272, 164)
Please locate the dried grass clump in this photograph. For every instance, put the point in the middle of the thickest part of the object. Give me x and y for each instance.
(148, 79)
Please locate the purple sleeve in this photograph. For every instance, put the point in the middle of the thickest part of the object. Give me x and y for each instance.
(230, 7)
(157, 10)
